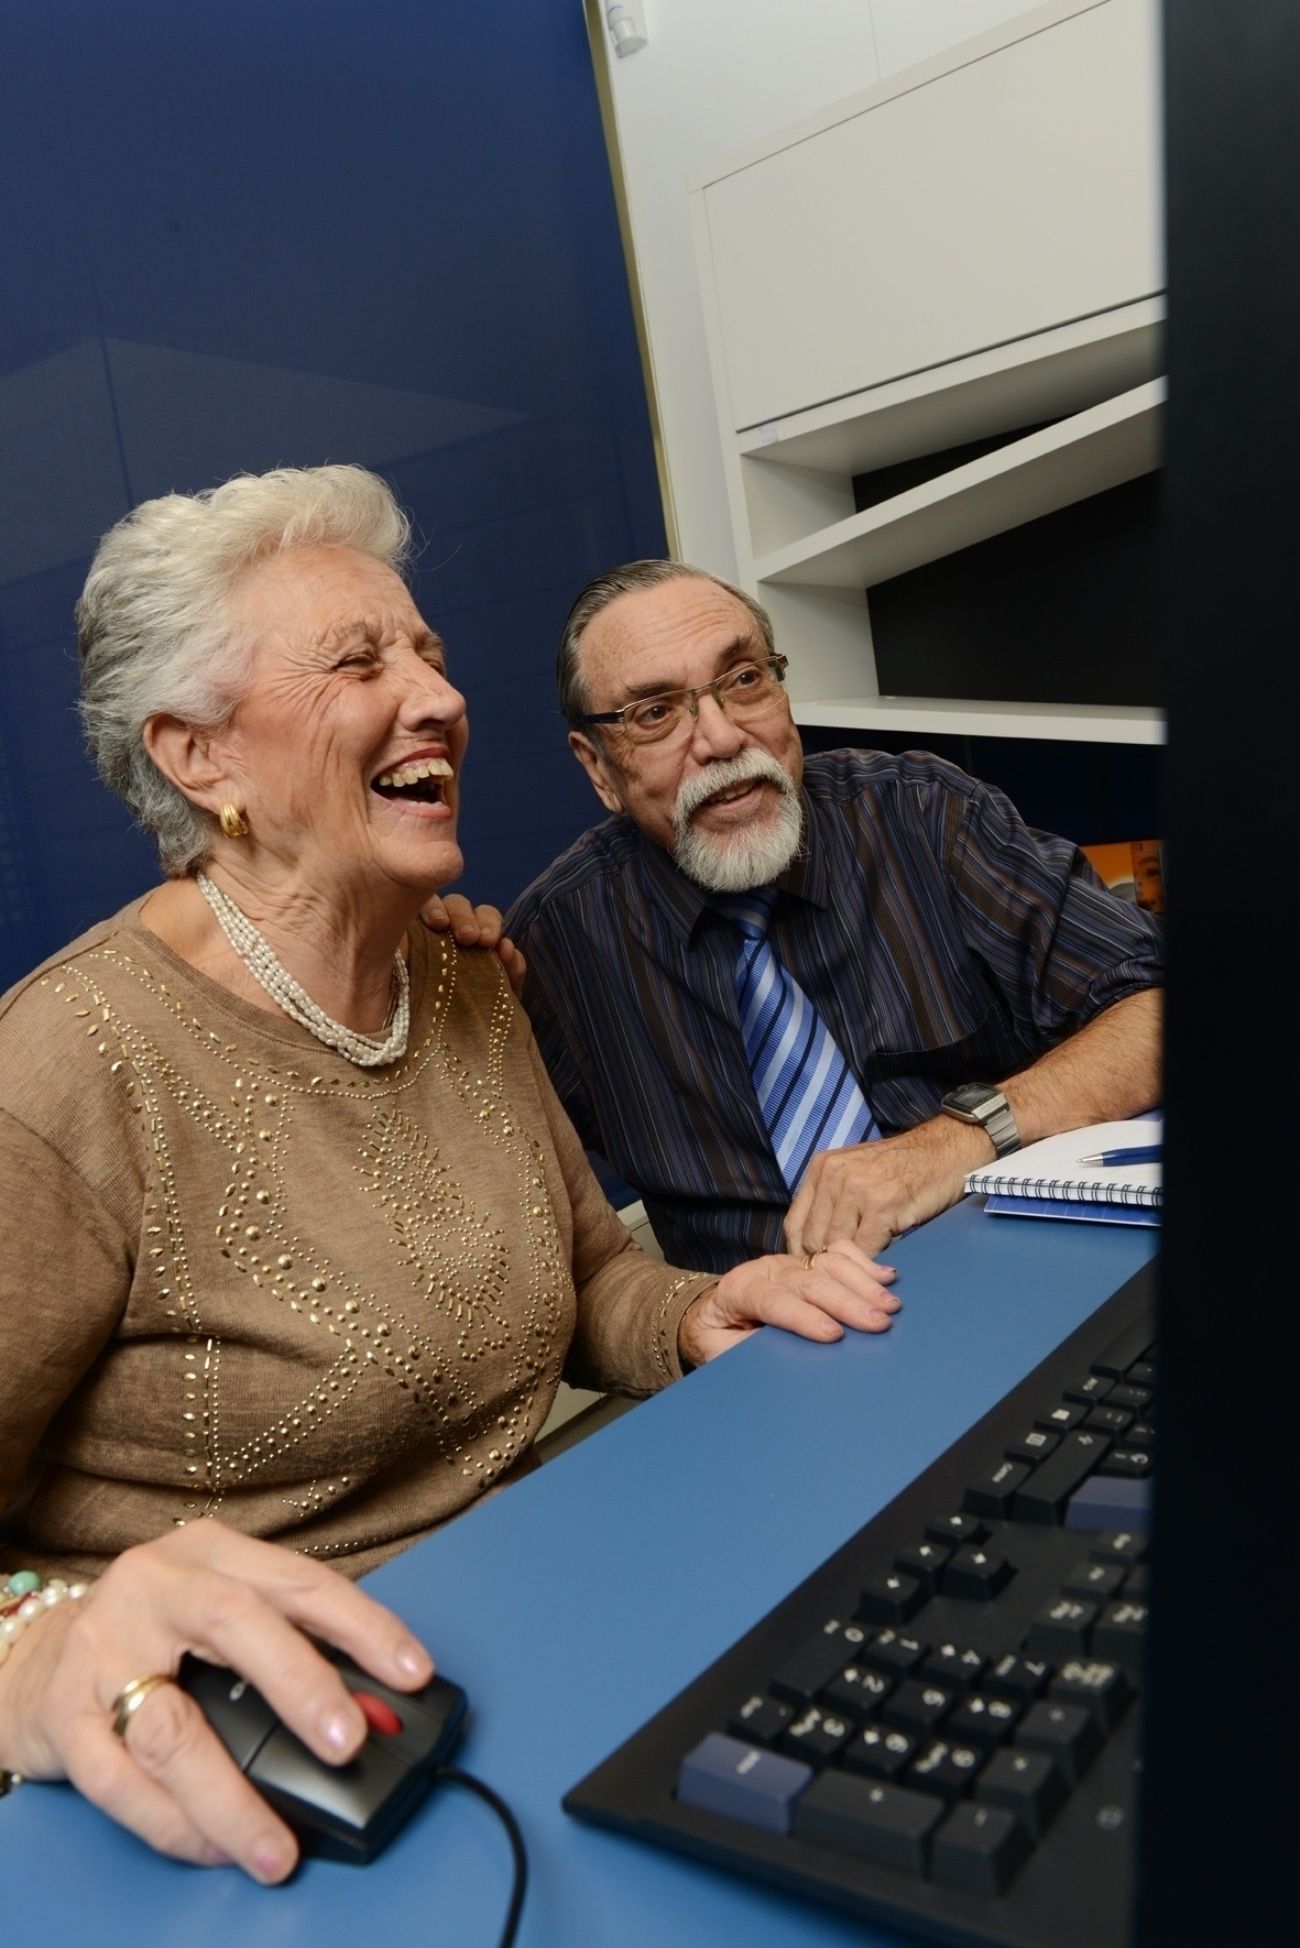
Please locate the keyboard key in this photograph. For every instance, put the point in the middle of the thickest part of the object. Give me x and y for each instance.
(761, 1720)
(1121, 1635)
(894, 1652)
(1092, 1388)
(1142, 1373)
(1044, 1496)
(1113, 1421)
(880, 1750)
(1142, 1434)
(742, 1782)
(1116, 1360)
(992, 1493)
(1137, 1583)
(956, 1665)
(975, 1575)
(1061, 1418)
(1097, 1579)
(918, 1707)
(1100, 1687)
(1126, 1461)
(858, 1690)
(983, 1719)
(1019, 1677)
(1125, 1546)
(887, 1824)
(816, 1736)
(815, 1663)
(978, 1849)
(891, 1598)
(1110, 1502)
(956, 1529)
(1033, 1446)
(923, 1563)
(945, 1768)
(1062, 1626)
(1028, 1784)
(1126, 1396)
(1065, 1732)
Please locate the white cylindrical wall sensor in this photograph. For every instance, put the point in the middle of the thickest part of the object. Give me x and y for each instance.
(626, 22)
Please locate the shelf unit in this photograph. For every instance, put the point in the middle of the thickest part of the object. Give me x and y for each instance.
(1089, 384)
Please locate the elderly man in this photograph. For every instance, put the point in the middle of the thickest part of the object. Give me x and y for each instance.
(802, 998)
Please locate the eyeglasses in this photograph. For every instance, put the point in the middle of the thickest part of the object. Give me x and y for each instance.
(742, 693)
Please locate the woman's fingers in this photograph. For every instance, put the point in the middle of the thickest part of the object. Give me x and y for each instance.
(170, 1780)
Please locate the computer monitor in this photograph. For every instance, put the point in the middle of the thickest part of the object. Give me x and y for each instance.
(1217, 1848)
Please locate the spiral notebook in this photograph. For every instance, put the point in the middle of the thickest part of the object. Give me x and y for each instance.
(1047, 1179)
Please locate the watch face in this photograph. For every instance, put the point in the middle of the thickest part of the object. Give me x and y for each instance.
(970, 1097)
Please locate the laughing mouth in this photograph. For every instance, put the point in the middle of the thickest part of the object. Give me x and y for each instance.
(423, 780)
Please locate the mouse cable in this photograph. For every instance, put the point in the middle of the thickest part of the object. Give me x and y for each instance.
(515, 1837)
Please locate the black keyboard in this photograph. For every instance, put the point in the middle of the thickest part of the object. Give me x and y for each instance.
(938, 1730)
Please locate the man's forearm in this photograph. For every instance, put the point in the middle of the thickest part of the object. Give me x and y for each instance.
(1110, 1069)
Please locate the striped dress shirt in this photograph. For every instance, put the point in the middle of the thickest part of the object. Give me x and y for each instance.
(940, 938)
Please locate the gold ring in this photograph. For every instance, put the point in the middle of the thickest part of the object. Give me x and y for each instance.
(810, 1255)
(130, 1698)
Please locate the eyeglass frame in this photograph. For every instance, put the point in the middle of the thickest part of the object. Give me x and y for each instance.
(774, 662)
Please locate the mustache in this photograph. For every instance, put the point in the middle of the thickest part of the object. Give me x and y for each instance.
(747, 768)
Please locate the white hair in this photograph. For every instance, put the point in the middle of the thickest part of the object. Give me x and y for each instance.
(756, 854)
(154, 633)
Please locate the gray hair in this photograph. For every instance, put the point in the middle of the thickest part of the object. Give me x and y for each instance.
(632, 577)
(154, 634)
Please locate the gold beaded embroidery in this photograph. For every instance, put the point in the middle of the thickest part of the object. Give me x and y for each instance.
(459, 1288)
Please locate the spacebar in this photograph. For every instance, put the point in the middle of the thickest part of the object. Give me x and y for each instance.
(1044, 1495)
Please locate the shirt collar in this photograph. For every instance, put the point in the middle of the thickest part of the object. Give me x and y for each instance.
(684, 904)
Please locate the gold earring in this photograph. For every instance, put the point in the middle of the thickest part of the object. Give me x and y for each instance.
(232, 821)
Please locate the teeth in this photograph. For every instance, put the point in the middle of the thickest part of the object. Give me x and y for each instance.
(412, 774)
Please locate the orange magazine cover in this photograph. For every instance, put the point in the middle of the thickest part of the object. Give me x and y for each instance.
(1133, 869)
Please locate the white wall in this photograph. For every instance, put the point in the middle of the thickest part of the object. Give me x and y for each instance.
(715, 76)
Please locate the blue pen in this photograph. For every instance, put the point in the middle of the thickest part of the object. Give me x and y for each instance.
(1143, 1153)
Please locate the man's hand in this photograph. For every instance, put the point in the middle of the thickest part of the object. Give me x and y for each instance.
(873, 1192)
(476, 926)
(840, 1287)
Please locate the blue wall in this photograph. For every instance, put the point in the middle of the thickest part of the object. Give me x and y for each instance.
(250, 235)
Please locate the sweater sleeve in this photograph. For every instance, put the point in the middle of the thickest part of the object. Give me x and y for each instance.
(65, 1275)
(629, 1305)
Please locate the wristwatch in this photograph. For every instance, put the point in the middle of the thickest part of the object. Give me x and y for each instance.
(980, 1102)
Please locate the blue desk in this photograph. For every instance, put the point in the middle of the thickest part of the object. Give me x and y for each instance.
(585, 1596)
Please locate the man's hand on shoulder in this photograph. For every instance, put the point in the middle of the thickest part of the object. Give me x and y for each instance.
(872, 1192)
(476, 926)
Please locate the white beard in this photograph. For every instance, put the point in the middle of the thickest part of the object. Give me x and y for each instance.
(753, 856)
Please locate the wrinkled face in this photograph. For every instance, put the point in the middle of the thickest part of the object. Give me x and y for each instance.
(347, 742)
(673, 637)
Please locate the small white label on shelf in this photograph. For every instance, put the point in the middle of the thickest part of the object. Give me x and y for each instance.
(769, 435)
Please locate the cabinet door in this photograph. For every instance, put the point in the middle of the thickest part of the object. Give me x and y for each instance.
(1016, 191)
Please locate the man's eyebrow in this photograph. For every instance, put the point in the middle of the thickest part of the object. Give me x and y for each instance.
(744, 649)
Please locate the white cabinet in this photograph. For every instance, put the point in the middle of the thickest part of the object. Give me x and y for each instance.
(969, 250)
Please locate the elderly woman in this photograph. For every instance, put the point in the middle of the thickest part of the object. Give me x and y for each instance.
(298, 1240)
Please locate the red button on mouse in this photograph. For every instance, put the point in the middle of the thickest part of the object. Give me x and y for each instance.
(379, 1716)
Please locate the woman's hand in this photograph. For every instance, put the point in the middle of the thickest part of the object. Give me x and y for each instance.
(840, 1287)
(476, 926)
(228, 1599)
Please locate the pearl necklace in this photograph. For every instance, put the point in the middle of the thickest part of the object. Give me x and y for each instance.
(367, 1051)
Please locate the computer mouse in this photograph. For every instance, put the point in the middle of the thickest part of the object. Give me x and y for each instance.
(339, 1812)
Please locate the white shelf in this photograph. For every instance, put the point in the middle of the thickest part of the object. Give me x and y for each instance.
(971, 717)
(1092, 450)
(966, 254)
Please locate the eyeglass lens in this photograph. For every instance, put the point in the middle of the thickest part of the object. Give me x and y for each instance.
(742, 693)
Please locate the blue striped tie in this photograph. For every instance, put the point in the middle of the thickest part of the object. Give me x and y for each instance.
(806, 1091)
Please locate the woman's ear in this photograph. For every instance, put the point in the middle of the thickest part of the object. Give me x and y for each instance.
(189, 759)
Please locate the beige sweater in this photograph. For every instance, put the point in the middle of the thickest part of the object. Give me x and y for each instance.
(241, 1277)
